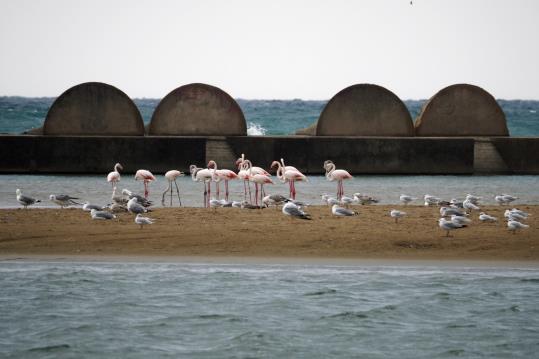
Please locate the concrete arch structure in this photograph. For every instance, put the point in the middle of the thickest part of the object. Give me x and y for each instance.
(365, 110)
(461, 110)
(93, 109)
(198, 110)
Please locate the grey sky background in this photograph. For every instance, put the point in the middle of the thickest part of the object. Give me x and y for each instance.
(270, 49)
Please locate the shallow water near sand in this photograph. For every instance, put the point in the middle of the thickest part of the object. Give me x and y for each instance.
(140, 310)
(387, 189)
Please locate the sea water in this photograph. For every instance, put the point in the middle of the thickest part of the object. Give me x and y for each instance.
(264, 117)
(386, 188)
(189, 310)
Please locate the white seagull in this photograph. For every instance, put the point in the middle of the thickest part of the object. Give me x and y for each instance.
(140, 220)
(101, 215)
(397, 214)
(448, 225)
(342, 212)
(404, 198)
(25, 200)
(514, 226)
(483, 217)
(290, 209)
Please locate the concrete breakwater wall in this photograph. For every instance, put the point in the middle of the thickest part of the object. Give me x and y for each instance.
(359, 155)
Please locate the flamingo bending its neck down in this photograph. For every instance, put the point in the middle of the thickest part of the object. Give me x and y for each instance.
(288, 174)
(147, 177)
(336, 175)
(221, 175)
(114, 176)
(258, 179)
(203, 175)
(171, 177)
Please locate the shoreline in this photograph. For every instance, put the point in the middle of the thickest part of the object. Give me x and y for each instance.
(234, 235)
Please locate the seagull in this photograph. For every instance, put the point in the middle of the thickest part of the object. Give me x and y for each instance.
(519, 212)
(236, 204)
(513, 226)
(139, 219)
(468, 204)
(431, 200)
(342, 212)
(290, 209)
(25, 200)
(101, 215)
(274, 200)
(448, 211)
(474, 199)
(140, 199)
(215, 203)
(347, 201)
(247, 205)
(483, 217)
(364, 199)
(460, 219)
(513, 216)
(88, 207)
(448, 225)
(397, 214)
(330, 201)
(134, 207)
(454, 203)
(404, 198)
(504, 199)
(63, 200)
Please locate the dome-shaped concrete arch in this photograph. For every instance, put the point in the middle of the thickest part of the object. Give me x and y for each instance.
(93, 108)
(461, 110)
(198, 110)
(365, 110)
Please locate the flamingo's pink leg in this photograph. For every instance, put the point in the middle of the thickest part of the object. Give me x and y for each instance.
(146, 190)
(256, 194)
(209, 195)
(226, 190)
(217, 185)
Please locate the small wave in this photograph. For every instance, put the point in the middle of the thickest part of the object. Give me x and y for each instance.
(530, 280)
(254, 129)
(321, 292)
(50, 348)
(347, 315)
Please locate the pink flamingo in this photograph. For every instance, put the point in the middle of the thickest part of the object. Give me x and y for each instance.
(258, 179)
(202, 175)
(288, 174)
(147, 177)
(114, 176)
(340, 175)
(221, 175)
(244, 174)
(171, 177)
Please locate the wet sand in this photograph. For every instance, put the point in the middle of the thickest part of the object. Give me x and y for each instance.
(235, 233)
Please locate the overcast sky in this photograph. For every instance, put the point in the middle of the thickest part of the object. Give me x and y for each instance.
(270, 49)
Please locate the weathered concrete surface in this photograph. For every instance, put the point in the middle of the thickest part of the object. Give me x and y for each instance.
(361, 155)
(93, 108)
(520, 154)
(487, 158)
(198, 110)
(365, 110)
(74, 154)
(461, 110)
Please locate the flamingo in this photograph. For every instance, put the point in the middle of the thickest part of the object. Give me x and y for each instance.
(340, 175)
(258, 179)
(147, 177)
(288, 174)
(202, 175)
(244, 175)
(171, 177)
(221, 174)
(114, 176)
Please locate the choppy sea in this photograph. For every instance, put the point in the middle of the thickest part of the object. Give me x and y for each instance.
(264, 117)
(187, 310)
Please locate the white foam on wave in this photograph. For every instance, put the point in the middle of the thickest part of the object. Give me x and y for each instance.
(254, 129)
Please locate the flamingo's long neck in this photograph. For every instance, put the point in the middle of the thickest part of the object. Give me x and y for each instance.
(329, 170)
(116, 167)
(247, 166)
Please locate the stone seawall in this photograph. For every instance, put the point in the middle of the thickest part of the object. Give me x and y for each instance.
(368, 155)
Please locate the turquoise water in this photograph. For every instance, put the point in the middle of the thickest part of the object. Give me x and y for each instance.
(181, 310)
(264, 117)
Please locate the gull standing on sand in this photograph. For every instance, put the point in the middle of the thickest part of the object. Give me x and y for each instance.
(510, 215)
(140, 199)
(404, 198)
(338, 175)
(63, 200)
(290, 209)
(364, 199)
(514, 226)
(134, 207)
(330, 201)
(431, 200)
(171, 176)
(448, 211)
(25, 200)
(101, 215)
(146, 177)
(274, 200)
(483, 217)
(469, 205)
(338, 211)
(397, 214)
(504, 199)
(448, 225)
(140, 220)
(114, 176)
(87, 207)
(460, 219)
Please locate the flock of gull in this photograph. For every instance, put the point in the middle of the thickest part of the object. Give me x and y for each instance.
(454, 214)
